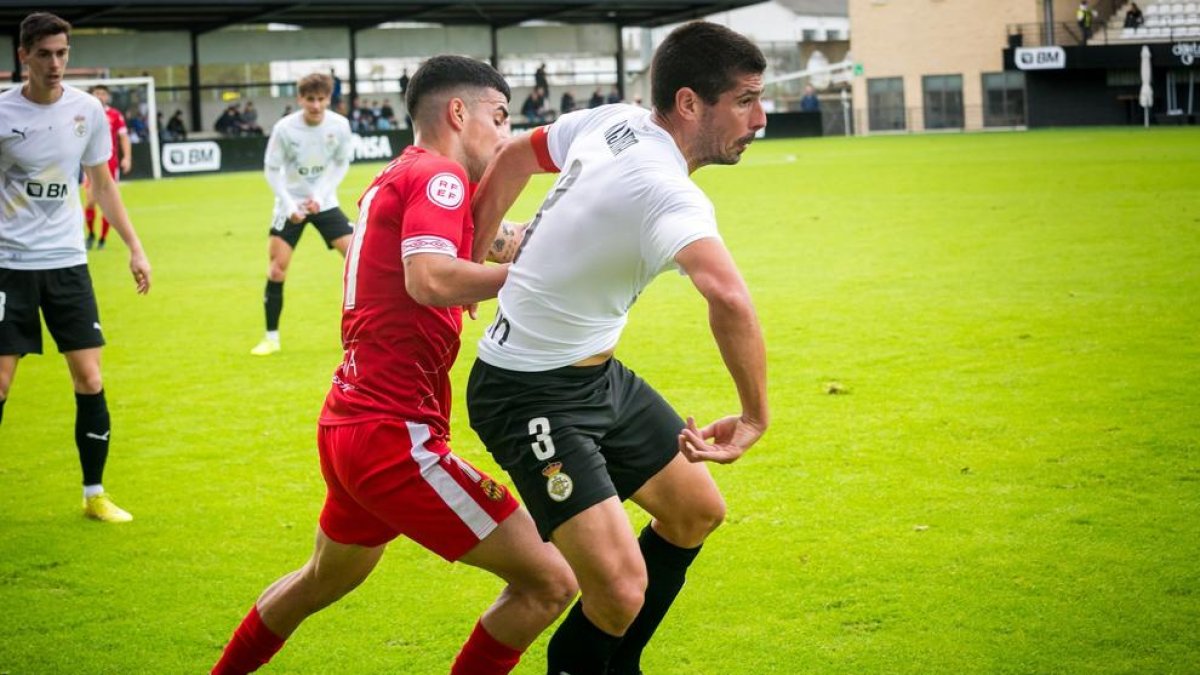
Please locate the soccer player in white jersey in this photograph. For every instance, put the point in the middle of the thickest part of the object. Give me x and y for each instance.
(47, 130)
(308, 155)
(577, 431)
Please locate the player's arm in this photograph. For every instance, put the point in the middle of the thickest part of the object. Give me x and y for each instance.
(508, 241)
(105, 192)
(335, 171)
(274, 165)
(735, 327)
(445, 281)
(502, 183)
(126, 151)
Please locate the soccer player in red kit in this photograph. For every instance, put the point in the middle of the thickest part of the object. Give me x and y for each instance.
(122, 156)
(384, 431)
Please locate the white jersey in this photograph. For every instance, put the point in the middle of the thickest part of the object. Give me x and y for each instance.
(622, 208)
(312, 159)
(41, 150)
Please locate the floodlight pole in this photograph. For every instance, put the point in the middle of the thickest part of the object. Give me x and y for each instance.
(353, 95)
(194, 81)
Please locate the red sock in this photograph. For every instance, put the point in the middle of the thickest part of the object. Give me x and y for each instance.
(103, 228)
(89, 217)
(252, 645)
(485, 655)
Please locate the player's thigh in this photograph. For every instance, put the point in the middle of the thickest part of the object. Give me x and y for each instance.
(334, 227)
(280, 252)
(69, 307)
(20, 323)
(8, 370)
(84, 365)
(685, 500)
(336, 564)
(543, 429)
(516, 553)
(601, 549)
(285, 231)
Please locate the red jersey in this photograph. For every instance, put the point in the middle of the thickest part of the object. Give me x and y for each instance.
(116, 126)
(398, 352)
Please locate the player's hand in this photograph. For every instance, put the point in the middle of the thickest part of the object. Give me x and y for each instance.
(126, 166)
(312, 206)
(472, 310)
(140, 267)
(730, 438)
(297, 217)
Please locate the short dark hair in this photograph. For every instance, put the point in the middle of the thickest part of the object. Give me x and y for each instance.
(39, 25)
(447, 72)
(705, 57)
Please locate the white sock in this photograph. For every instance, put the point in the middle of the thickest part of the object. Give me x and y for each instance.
(92, 490)
(273, 335)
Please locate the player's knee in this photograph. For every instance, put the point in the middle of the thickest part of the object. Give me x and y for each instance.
(558, 589)
(88, 383)
(277, 271)
(619, 606)
(693, 524)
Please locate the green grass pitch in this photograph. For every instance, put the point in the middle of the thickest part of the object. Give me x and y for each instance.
(1007, 482)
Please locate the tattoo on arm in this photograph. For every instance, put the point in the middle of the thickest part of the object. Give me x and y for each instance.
(508, 241)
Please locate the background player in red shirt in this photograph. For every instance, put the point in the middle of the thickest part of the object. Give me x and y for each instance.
(122, 158)
(384, 430)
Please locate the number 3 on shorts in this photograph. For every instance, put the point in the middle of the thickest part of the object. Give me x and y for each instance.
(543, 445)
(3, 299)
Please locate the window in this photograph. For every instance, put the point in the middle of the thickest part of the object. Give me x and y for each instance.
(885, 103)
(1004, 99)
(943, 101)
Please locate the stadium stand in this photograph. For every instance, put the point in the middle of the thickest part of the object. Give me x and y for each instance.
(1164, 22)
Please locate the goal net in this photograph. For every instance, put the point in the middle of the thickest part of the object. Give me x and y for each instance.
(134, 98)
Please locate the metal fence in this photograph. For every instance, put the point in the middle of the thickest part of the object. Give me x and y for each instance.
(919, 120)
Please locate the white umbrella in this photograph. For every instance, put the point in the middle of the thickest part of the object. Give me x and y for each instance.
(1146, 96)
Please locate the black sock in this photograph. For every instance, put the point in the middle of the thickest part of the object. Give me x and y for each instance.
(273, 301)
(666, 568)
(2, 400)
(91, 435)
(579, 647)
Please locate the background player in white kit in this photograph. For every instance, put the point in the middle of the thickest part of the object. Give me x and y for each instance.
(47, 130)
(307, 157)
(577, 431)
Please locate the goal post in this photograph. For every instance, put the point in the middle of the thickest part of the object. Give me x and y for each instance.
(126, 92)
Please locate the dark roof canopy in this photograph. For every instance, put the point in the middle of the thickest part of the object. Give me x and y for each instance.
(208, 15)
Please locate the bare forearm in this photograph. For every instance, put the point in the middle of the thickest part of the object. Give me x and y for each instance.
(460, 283)
(508, 241)
(739, 337)
(499, 188)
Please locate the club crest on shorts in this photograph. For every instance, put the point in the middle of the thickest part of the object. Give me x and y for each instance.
(558, 484)
(491, 489)
(80, 126)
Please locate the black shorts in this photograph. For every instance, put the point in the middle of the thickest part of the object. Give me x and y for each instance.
(572, 437)
(331, 223)
(67, 301)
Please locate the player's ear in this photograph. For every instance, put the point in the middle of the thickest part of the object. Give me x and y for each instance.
(687, 103)
(457, 113)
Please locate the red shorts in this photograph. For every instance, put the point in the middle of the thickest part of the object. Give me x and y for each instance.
(386, 478)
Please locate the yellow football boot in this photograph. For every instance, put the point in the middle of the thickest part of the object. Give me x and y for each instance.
(100, 507)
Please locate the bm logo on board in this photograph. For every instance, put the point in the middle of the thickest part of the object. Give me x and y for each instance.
(1040, 58)
(189, 157)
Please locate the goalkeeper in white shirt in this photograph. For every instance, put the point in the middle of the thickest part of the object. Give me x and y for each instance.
(307, 157)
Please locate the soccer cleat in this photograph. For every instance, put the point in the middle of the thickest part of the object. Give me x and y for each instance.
(100, 507)
(266, 347)
(91, 240)
(100, 245)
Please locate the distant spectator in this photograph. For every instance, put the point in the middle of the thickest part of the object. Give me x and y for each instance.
(387, 112)
(404, 82)
(229, 123)
(567, 103)
(1133, 17)
(287, 110)
(540, 81)
(138, 131)
(534, 107)
(596, 100)
(809, 102)
(614, 96)
(1084, 16)
(336, 97)
(250, 120)
(176, 129)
